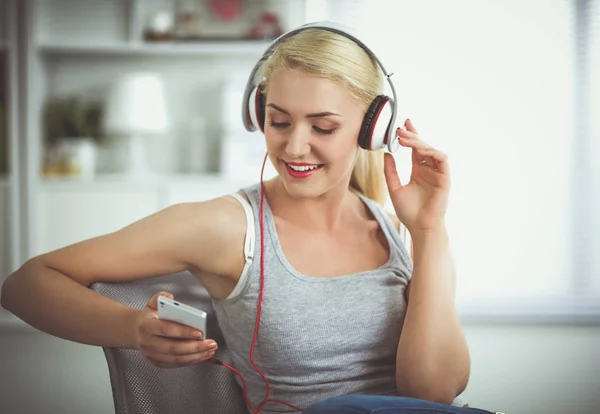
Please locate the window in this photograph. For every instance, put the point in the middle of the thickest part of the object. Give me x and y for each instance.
(498, 87)
(589, 11)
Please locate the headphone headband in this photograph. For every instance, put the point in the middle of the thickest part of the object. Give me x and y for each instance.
(335, 27)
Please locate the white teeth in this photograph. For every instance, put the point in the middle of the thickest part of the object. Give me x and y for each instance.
(303, 167)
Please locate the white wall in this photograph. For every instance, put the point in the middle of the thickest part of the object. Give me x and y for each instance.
(515, 369)
(535, 369)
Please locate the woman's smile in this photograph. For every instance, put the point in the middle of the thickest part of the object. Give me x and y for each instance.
(301, 169)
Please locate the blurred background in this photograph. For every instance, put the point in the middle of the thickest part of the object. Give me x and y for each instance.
(113, 109)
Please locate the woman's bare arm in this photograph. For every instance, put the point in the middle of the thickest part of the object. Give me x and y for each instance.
(433, 360)
(50, 291)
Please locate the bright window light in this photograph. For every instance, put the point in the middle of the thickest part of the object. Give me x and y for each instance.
(492, 84)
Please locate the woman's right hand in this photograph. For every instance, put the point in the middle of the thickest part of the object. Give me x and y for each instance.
(168, 344)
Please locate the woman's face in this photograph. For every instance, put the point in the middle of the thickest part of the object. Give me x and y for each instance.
(311, 129)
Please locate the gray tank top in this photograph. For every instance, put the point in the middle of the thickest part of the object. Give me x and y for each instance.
(318, 337)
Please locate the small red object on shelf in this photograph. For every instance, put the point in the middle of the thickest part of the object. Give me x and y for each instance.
(226, 10)
(267, 28)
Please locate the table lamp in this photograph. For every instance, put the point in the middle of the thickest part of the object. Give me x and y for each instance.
(136, 109)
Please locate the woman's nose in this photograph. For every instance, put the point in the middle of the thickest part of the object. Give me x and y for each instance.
(297, 144)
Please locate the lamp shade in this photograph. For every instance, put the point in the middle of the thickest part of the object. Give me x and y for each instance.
(136, 104)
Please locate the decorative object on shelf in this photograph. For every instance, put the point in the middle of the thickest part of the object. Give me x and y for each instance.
(136, 108)
(74, 158)
(160, 26)
(267, 28)
(188, 20)
(212, 20)
(72, 133)
(226, 10)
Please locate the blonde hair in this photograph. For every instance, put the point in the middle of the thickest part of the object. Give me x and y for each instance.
(335, 57)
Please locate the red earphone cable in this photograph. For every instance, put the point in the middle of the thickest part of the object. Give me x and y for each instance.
(236, 372)
(262, 283)
(246, 398)
(266, 399)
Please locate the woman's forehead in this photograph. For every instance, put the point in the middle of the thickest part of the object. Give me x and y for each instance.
(294, 90)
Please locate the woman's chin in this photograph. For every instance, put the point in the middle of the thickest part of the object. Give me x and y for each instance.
(300, 190)
(306, 188)
(313, 186)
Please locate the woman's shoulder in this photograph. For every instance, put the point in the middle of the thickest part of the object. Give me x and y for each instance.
(204, 236)
(220, 217)
(385, 210)
(213, 233)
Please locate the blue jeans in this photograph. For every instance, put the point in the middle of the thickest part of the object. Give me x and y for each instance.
(380, 404)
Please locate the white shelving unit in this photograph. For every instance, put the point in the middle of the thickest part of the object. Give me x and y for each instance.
(54, 48)
(250, 47)
(77, 48)
(51, 48)
(10, 177)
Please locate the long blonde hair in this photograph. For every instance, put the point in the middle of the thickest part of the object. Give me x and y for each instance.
(335, 57)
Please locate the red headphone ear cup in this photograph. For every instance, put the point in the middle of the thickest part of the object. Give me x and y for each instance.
(377, 117)
(256, 108)
(260, 108)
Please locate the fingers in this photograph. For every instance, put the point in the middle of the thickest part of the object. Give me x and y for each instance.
(423, 153)
(168, 329)
(167, 353)
(153, 302)
(391, 174)
(167, 346)
(411, 139)
(437, 159)
(410, 126)
(418, 153)
(433, 176)
(174, 361)
(409, 132)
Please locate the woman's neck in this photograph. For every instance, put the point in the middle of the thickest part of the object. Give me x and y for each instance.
(325, 213)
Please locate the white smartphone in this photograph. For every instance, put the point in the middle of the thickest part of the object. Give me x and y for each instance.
(171, 310)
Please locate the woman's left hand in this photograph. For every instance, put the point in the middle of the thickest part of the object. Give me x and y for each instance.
(421, 204)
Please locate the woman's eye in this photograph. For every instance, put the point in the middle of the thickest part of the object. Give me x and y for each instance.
(279, 125)
(324, 131)
(283, 125)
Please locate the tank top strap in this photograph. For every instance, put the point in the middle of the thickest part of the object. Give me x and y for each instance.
(393, 234)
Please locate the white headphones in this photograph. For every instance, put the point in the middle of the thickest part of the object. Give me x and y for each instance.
(377, 130)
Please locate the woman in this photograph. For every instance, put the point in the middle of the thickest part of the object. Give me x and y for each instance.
(338, 315)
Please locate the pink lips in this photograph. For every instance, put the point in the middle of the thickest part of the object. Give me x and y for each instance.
(300, 174)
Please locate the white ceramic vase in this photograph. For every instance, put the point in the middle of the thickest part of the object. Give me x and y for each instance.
(80, 155)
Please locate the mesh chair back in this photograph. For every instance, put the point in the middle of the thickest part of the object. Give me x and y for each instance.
(141, 388)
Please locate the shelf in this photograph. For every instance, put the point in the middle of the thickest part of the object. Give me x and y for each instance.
(112, 178)
(233, 48)
(121, 181)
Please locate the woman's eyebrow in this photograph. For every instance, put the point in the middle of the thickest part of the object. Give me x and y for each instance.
(315, 115)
